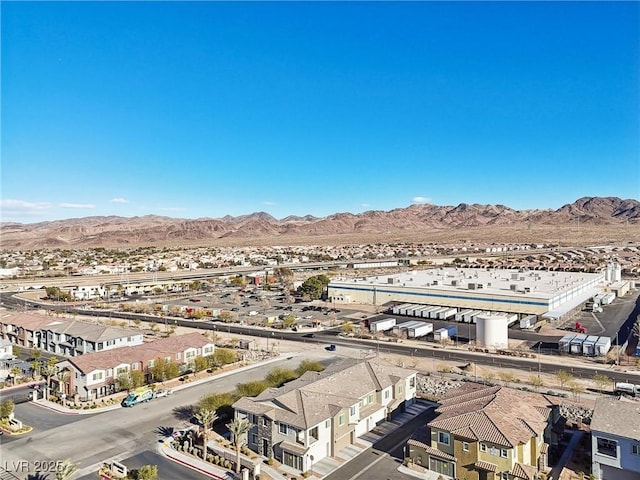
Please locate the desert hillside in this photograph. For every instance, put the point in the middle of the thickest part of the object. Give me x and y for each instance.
(587, 220)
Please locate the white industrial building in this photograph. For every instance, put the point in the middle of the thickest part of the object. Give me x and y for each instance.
(546, 293)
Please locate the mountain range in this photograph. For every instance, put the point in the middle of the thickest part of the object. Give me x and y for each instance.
(416, 220)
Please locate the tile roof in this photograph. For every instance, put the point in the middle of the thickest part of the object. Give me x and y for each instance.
(290, 447)
(431, 451)
(163, 347)
(489, 467)
(617, 417)
(498, 415)
(28, 321)
(91, 331)
(317, 396)
(527, 472)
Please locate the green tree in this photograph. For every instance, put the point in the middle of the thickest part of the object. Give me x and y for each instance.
(309, 365)
(575, 388)
(224, 356)
(35, 369)
(163, 369)
(147, 472)
(65, 469)
(200, 363)
(206, 419)
(36, 353)
(225, 316)
(251, 389)
(563, 377)
(6, 408)
(137, 378)
(123, 382)
(218, 402)
(289, 321)
(48, 371)
(196, 285)
(239, 428)
(601, 381)
(279, 376)
(536, 381)
(314, 286)
(347, 327)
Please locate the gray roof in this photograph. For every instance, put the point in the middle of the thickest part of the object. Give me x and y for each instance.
(317, 396)
(91, 331)
(617, 417)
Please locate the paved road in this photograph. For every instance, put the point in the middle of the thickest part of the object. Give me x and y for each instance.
(89, 440)
(384, 457)
(167, 469)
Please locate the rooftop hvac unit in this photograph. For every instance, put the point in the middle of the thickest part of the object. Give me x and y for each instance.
(472, 286)
(480, 285)
(513, 287)
(389, 280)
(527, 290)
(435, 282)
(454, 283)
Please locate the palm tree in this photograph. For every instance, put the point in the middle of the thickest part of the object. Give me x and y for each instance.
(206, 417)
(48, 371)
(63, 376)
(239, 427)
(65, 469)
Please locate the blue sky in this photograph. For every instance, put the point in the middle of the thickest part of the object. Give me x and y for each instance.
(201, 109)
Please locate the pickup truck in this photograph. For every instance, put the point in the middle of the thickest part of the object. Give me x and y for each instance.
(138, 397)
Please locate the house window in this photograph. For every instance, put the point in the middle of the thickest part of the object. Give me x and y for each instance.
(254, 439)
(483, 447)
(386, 394)
(282, 428)
(607, 447)
(504, 476)
(352, 411)
(341, 419)
(265, 422)
(503, 453)
(135, 366)
(327, 423)
(412, 382)
(443, 437)
(314, 432)
(635, 449)
(465, 446)
(400, 388)
(370, 399)
(97, 376)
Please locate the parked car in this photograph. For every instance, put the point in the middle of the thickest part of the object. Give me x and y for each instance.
(331, 348)
(163, 393)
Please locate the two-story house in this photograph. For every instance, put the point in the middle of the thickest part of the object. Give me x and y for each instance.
(93, 375)
(71, 337)
(320, 413)
(21, 328)
(488, 433)
(615, 440)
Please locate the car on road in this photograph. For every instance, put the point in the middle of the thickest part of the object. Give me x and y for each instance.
(308, 335)
(163, 393)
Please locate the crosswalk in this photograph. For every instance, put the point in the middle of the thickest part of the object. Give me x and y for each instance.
(7, 475)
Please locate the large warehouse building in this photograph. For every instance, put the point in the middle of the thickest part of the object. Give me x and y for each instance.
(546, 293)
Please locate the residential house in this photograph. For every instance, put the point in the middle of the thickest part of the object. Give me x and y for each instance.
(21, 328)
(488, 433)
(72, 337)
(93, 375)
(63, 336)
(320, 413)
(615, 440)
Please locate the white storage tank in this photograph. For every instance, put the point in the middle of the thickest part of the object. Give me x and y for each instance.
(492, 331)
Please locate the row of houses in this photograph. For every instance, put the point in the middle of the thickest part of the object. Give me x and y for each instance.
(94, 375)
(320, 413)
(64, 336)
